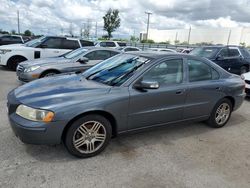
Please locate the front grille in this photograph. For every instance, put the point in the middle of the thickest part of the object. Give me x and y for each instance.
(247, 81)
(20, 68)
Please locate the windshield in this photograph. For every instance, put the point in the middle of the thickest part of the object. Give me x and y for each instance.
(75, 53)
(205, 52)
(35, 42)
(115, 70)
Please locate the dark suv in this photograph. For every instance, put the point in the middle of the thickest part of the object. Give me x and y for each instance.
(234, 59)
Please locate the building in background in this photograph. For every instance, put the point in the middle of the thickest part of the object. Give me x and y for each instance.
(231, 36)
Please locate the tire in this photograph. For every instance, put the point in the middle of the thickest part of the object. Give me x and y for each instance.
(243, 70)
(49, 74)
(83, 142)
(220, 114)
(14, 61)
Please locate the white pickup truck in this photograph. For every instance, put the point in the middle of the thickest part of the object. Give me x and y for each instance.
(47, 46)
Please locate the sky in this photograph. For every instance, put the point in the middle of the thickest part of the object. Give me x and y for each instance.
(58, 16)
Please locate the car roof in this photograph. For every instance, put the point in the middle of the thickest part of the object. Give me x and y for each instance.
(158, 55)
(100, 48)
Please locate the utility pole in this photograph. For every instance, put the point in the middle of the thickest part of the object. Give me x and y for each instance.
(189, 33)
(229, 36)
(148, 13)
(18, 22)
(95, 29)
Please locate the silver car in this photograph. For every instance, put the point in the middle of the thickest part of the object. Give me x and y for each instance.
(77, 60)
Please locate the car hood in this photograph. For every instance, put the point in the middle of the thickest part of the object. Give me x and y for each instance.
(63, 90)
(45, 61)
(17, 47)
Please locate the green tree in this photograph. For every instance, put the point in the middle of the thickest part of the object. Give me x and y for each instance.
(27, 33)
(111, 21)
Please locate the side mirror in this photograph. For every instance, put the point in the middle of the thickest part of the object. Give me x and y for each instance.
(83, 60)
(219, 57)
(146, 84)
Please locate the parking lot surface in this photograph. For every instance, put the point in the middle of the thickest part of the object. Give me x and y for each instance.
(185, 155)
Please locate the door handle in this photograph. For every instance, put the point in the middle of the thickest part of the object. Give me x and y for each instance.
(179, 92)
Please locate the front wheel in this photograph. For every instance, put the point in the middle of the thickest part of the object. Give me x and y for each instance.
(88, 136)
(220, 114)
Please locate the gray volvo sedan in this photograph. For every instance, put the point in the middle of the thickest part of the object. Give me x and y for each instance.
(128, 92)
(77, 60)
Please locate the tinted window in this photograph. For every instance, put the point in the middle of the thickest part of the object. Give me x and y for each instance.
(86, 43)
(70, 44)
(207, 52)
(98, 55)
(224, 52)
(245, 52)
(5, 38)
(121, 44)
(53, 43)
(199, 71)
(234, 52)
(110, 44)
(103, 44)
(130, 49)
(16, 39)
(168, 72)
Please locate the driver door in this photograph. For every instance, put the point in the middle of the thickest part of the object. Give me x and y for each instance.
(159, 106)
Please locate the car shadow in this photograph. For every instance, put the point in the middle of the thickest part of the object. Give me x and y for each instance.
(3, 68)
(127, 145)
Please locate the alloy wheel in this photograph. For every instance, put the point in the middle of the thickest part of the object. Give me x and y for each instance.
(222, 113)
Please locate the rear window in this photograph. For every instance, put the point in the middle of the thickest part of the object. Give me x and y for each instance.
(245, 52)
(121, 43)
(86, 43)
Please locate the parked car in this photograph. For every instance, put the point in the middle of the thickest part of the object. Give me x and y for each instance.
(13, 39)
(234, 59)
(246, 77)
(161, 50)
(125, 93)
(77, 60)
(184, 50)
(128, 49)
(110, 44)
(48, 46)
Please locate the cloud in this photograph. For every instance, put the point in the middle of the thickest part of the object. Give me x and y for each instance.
(56, 16)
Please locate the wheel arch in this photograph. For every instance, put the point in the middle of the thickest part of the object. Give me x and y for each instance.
(232, 100)
(49, 70)
(16, 56)
(103, 113)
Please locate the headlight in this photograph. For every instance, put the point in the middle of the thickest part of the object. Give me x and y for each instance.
(34, 114)
(4, 51)
(32, 68)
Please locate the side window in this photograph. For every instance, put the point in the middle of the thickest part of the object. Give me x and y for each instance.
(90, 55)
(5, 38)
(102, 55)
(122, 44)
(234, 52)
(55, 43)
(103, 44)
(200, 71)
(224, 52)
(166, 73)
(70, 44)
(113, 53)
(110, 44)
(86, 43)
(130, 49)
(16, 39)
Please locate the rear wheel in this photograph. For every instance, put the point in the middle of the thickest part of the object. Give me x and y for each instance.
(220, 114)
(88, 136)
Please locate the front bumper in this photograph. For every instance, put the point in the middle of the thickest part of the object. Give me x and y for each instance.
(27, 77)
(33, 132)
(36, 132)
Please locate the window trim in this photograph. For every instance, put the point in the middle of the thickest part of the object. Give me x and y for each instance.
(133, 80)
(211, 67)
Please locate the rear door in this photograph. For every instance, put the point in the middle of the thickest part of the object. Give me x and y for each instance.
(204, 89)
(223, 59)
(162, 105)
(236, 60)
